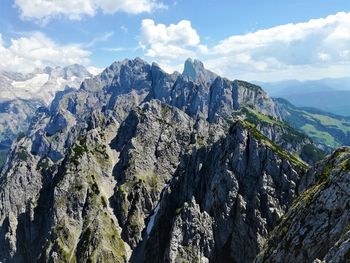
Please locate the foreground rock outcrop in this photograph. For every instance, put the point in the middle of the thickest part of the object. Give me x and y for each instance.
(316, 228)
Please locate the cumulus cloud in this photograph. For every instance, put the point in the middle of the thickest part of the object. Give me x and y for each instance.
(314, 49)
(36, 50)
(170, 44)
(74, 9)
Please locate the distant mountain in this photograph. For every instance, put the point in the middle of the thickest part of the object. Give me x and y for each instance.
(331, 95)
(328, 130)
(40, 85)
(21, 95)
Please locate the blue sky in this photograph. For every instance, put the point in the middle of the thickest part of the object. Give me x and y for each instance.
(246, 39)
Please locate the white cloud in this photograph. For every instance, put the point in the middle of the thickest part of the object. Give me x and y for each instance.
(36, 50)
(99, 39)
(44, 10)
(179, 34)
(301, 50)
(170, 44)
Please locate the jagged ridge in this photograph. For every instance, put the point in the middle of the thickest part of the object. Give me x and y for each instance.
(102, 158)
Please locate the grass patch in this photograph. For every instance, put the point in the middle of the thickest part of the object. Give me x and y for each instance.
(329, 121)
(255, 117)
(321, 136)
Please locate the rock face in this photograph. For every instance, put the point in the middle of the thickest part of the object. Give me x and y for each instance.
(316, 228)
(282, 134)
(21, 95)
(143, 166)
(223, 201)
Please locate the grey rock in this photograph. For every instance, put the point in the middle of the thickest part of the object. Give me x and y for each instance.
(143, 166)
(315, 229)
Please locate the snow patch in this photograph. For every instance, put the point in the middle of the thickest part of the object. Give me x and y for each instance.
(31, 85)
(151, 220)
(155, 212)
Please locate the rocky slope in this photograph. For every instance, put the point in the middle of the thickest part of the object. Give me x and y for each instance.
(282, 134)
(142, 166)
(221, 205)
(21, 95)
(316, 228)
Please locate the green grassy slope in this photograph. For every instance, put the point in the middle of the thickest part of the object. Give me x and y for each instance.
(326, 129)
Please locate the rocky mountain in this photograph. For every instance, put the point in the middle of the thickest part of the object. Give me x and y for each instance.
(21, 95)
(143, 166)
(41, 84)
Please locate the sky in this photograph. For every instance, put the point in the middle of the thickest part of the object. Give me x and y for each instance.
(261, 40)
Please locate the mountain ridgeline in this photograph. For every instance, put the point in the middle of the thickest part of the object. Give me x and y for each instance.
(143, 166)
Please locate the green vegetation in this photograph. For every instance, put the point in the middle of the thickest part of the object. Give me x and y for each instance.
(43, 164)
(102, 150)
(20, 136)
(101, 155)
(78, 187)
(255, 117)
(311, 152)
(282, 228)
(345, 165)
(150, 180)
(64, 242)
(289, 136)
(329, 130)
(178, 211)
(338, 161)
(78, 151)
(22, 154)
(321, 136)
(104, 201)
(113, 246)
(329, 121)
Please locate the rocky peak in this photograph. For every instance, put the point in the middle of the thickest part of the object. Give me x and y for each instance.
(77, 71)
(194, 70)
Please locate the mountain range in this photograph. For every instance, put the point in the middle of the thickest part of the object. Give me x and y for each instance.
(329, 95)
(22, 94)
(138, 165)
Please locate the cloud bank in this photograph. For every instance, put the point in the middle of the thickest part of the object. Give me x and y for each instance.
(37, 51)
(314, 49)
(44, 10)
